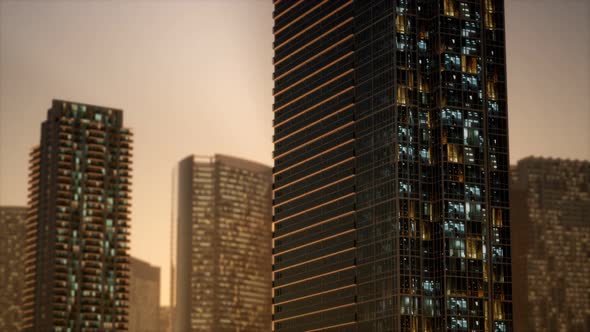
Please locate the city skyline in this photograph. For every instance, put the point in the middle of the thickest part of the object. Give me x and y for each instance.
(151, 222)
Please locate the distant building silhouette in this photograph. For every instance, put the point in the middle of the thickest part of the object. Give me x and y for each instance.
(77, 249)
(391, 207)
(223, 258)
(144, 303)
(550, 202)
(165, 319)
(12, 265)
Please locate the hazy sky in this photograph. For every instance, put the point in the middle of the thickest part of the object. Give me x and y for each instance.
(196, 77)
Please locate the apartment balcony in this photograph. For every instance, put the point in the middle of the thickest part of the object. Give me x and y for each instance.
(30, 244)
(95, 168)
(96, 147)
(93, 248)
(91, 256)
(99, 154)
(122, 260)
(59, 299)
(34, 168)
(92, 234)
(65, 126)
(93, 176)
(31, 232)
(35, 152)
(33, 181)
(92, 270)
(97, 131)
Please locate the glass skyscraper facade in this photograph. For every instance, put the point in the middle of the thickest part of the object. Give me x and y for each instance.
(77, 246)
(550, 201)
(223, 245)
(390, 195)
(12, 270)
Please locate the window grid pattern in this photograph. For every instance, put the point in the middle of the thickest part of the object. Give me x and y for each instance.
(77, 246)
(408, 203)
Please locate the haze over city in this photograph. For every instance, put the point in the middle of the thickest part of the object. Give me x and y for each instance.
(195, 77)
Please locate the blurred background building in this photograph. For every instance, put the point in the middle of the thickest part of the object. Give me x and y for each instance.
(12, 265)
(165, 319)
(391, 207)
(77, 246)
(223, 245)
(550, 202)
(144, 298)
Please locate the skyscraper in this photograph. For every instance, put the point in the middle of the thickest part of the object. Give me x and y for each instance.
(391, 166)
(165, 317)
(144, 303)
(550, 200)
(12, 271)
(77, 260)
(223, 247)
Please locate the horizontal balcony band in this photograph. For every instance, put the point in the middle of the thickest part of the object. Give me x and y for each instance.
(314, 106)
(315, 122)
(313, 242)
(313, 208)
(312, 226)
(315, 190)
(315, 173)
(313, 25)
(314, 140)
(287, 9)
(314, 57)
(314, 259)
(313, 41)
(314, 294)
(300, 17)
(315, 312)
(313, 74)
(314, 90)
(331, 327)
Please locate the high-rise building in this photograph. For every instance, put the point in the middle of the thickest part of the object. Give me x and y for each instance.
(223, 260)
(77, 248)
(391, 208)
(550, 201)
(12, 271)
(165, 319)
(144, 302)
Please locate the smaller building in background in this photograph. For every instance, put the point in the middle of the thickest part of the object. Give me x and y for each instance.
(165, 319)
(12, 239)
(223, 278)
(550, 202)
(144, 307)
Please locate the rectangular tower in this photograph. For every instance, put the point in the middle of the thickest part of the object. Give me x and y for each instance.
(391, 166)
(12, 270)
(77, 247)
(223, 248)
(550, 200)
(144, 303)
